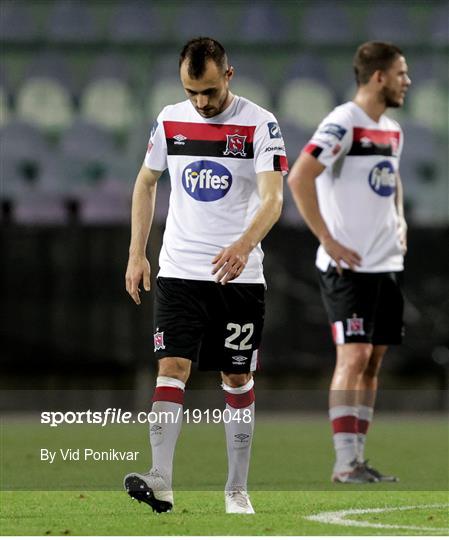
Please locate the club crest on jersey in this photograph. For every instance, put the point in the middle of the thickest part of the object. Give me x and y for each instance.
(158, 340)
(382, 179)
(354, 326)
(206, 180)
(235, 145)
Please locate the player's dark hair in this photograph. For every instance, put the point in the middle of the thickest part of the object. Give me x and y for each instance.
(373, 56)
(198, 51)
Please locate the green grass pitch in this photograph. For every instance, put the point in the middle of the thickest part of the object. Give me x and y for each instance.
(289, 481)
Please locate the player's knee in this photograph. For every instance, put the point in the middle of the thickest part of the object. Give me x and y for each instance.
(236, 379)
(354, 358)
(176, 368)
(373, 367)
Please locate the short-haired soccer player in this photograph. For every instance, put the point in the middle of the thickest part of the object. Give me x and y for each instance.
(226, 160)
(346, 184)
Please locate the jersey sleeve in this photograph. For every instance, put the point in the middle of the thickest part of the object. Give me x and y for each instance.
(401, 143)
(332, 139)
(156, 155)
(269, 148)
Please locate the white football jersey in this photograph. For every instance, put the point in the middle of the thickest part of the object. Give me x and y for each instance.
(213, 163)
(356, 191)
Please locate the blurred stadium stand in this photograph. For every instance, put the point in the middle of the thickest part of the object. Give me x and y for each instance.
(334, 26)
(80, 85)
(71, 21)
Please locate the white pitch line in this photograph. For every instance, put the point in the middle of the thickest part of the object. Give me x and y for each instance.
(338, 518)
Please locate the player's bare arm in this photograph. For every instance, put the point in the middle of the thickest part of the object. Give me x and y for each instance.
(402, 224)
(144, 197)
(302, 183)
(230, 262)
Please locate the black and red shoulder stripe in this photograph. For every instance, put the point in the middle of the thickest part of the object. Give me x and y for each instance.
(312, 149)
(374, 142)
(212, 140)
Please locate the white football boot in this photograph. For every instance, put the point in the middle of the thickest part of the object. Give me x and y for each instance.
(237, 502)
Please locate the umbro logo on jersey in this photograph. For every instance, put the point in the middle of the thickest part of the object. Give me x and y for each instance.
(241, 437)
(238, 360)
(206, 181)
(180, 139)
(155, 429)
(382, 179)
(365, 142)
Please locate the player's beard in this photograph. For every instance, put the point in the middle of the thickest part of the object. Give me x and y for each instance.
(219, 108)
(390, 99)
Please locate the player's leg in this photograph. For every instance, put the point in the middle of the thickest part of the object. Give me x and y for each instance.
(366, 396)
(388, 330)
(236, 315)
(178, 330)
(168, 401)
(352, 361)
(155, 487)
(239, 427)
(349, 300)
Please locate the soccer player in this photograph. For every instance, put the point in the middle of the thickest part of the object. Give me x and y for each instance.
(346, 185)
(226, 160)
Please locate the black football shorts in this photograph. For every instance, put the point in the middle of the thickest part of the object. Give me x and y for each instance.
(220, 326)
(363, 307)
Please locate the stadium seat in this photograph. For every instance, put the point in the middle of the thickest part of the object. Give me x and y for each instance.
(38, 207)
(108, 203)
(390, 21)
(4, 107)
(71, 21)
(439, 24)
(305, 102)
(253, 90)
(264, 22)
(308, 66)
(110, 66)
(325, 23)
(109, 103)
(164, 92)
(189, 21)
(26, 162)
(134, 21)
(46, 103)
(295, 138)
(52, 65)
(88, 155)
(422, 171)
(136, 146)
(428, 104)
(16, 22)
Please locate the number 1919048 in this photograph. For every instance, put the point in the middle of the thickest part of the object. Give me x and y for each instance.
(216, 416)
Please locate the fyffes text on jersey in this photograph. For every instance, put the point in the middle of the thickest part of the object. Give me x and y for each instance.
(382, 179)
(206, 180)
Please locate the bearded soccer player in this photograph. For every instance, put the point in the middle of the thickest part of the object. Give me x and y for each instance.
(346, 184)
(226, 160)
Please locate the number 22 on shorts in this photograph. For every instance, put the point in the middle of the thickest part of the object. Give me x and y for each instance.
(243, 332)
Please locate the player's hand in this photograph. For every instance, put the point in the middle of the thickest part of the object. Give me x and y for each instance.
(340, 253)
(138, 270)
(402, 231)
(230, 262)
